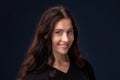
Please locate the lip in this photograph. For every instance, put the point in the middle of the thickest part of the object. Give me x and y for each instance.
(65, 46)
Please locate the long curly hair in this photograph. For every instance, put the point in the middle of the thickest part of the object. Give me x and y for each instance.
(40, 53)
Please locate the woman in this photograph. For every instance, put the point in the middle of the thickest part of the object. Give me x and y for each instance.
(54, 53)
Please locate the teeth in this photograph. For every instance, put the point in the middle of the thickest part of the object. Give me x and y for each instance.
(64, 44)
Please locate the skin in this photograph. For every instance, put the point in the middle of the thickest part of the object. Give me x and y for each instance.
(62, 39)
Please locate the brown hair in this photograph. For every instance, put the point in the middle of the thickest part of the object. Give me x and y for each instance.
(40, 53)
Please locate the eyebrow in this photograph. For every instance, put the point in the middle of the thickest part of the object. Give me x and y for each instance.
(63, 30)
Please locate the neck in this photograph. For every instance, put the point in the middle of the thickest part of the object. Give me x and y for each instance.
(62, 62)
(61, 59)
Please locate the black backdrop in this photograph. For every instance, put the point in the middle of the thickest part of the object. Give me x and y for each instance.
(99, 23)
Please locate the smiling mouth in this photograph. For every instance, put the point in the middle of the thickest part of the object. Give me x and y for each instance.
(65, 46)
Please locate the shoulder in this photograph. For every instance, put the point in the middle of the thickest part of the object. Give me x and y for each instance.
(86, 64)
(88, 69)
(37, 75)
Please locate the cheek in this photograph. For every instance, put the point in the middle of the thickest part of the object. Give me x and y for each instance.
(55, 40)
(72, 38)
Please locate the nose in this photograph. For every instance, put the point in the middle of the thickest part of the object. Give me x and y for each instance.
(65, 38)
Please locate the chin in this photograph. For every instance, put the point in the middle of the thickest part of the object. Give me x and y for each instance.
(63, 52)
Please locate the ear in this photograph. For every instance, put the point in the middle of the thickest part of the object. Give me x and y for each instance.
(45, 36)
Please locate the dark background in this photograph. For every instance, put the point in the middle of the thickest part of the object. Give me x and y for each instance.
(99, 22)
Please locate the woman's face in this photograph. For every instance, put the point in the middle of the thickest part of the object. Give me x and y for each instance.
(62, 37)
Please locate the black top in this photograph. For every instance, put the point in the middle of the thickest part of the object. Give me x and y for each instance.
(74, 73)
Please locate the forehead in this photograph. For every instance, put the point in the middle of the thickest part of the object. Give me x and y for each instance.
(64, 24)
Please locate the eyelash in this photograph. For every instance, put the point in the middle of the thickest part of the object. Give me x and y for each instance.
(70, 31)
(59, 32)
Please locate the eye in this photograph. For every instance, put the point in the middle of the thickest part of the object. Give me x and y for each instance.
(70, 32)
(58, 32)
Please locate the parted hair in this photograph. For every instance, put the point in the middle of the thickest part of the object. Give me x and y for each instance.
(40, 53)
